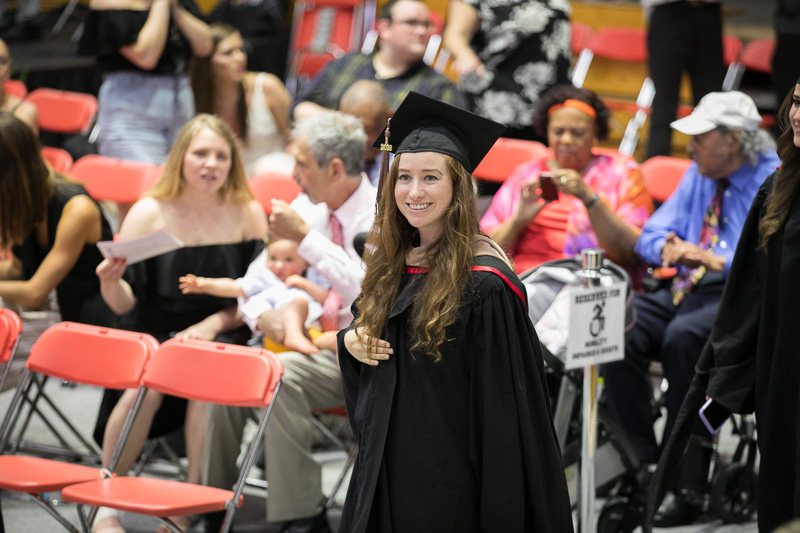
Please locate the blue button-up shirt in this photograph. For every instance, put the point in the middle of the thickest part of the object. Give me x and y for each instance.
(684, 211)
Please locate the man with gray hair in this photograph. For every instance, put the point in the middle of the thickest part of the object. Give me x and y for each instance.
(695, 230)
(328, 150)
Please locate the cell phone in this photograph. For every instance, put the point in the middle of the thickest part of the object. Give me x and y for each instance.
(713, 415)
(549, 189)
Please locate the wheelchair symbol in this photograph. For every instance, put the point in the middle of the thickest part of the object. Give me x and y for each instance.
(598, 322)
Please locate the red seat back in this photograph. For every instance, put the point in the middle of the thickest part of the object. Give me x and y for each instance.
(15, 88)
(268, 185)
(662, 174)
(93, 355)
(64, 111)
(214, 372)
(757, 55)
(59, 159)
(505, 156)
(112, 179)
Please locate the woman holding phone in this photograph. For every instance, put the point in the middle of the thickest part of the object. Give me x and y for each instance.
(578, 197)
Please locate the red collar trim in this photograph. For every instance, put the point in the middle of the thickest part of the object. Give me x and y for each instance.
(476, 268)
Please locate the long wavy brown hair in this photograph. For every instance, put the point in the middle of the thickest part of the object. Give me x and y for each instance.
(202, 80)
(444, 287)
(787, 182)
(170, 185)
(26, 181)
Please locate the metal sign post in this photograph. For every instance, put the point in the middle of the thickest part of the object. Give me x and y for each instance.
(592, 264)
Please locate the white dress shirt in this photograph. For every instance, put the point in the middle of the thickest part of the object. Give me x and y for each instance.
(340, 268)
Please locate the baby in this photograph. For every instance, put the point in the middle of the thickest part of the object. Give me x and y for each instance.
(280, 286)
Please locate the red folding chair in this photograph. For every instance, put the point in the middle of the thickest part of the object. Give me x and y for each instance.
(505, 156)
(580, 37)
(731, 52)
(195, 370)
(10, 332)
(83, 354)
(59, 159)
(621, 45)
(64, 111)
(661, 175)
(269, 185)
(323, 30)
(15, 88)
(757, 55)
(115, 180)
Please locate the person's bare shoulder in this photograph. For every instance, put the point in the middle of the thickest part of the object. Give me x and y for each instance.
(145, 216)
(28, 113)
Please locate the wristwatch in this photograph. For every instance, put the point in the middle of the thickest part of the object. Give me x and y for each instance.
(594, 200)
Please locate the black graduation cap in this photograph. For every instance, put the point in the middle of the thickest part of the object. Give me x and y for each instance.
(422, 124)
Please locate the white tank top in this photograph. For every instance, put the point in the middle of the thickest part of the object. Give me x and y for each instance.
(263, 135)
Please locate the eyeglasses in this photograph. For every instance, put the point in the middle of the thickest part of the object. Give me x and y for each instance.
(414, 24)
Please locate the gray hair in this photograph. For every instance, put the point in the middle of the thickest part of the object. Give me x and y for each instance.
(334, 135)
(754, 142)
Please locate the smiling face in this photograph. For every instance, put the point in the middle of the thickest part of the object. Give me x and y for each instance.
(283, 260)
(423, 192)
(571, 135)
(229, 60)
(207, 162)
(794, 115)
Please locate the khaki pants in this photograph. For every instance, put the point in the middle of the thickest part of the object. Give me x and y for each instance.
(294, 477)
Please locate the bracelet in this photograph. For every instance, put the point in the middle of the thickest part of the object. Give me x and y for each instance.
(594, 200)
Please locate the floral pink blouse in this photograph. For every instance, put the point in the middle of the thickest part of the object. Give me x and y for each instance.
(562, 228)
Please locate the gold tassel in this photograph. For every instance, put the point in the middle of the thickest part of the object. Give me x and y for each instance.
(386, 148)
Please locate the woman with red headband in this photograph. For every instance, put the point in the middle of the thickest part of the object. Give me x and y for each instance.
(601, 200)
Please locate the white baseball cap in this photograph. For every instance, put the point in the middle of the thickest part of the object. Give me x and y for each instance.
(732, 109)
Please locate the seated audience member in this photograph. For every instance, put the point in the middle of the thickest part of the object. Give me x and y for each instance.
(366, 100)
(203, 199)
(22, 109)
(404, 27)
(50, 225)
(276, 287)
(328, 150)
(697, 230)
(602, 201)
(254, 104)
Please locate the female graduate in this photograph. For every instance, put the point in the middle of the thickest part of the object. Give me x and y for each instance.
(442, 370)
(750, 363)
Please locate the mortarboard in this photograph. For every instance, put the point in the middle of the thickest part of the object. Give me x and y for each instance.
(422, 124)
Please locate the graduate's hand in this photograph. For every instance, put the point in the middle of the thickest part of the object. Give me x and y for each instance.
(368, 349)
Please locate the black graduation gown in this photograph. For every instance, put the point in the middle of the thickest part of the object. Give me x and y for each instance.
(751, 363)
(466, 444)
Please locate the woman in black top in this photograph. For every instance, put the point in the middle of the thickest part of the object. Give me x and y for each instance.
(48, 230)
(143, 48)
